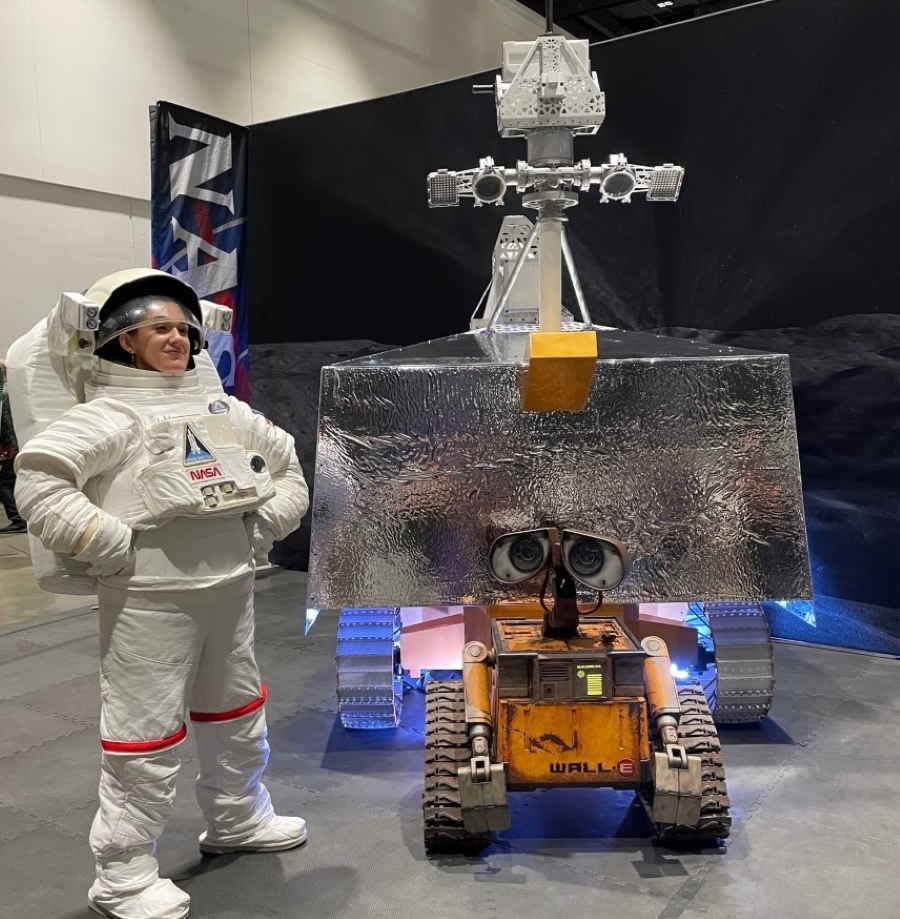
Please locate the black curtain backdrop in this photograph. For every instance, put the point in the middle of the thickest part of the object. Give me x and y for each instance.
(785, 238)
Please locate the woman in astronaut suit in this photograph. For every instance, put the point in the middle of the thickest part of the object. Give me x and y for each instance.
(168, 492)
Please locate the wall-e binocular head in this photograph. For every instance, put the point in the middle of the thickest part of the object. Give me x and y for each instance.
(597, 562)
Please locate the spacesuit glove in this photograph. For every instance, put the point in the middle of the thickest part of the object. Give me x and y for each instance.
(109, 549)
(260, 535)
(108, 567)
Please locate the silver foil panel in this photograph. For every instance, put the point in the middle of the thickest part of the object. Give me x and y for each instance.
(686, 453)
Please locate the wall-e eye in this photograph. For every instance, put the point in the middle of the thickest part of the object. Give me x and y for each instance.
(520, 556)
(596, 561)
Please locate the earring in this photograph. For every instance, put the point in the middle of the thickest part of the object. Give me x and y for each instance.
(131, 359)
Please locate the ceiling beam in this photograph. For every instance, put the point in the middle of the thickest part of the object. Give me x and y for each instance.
(569, 9)
(651, 10)
(597, 20)
(604, 24)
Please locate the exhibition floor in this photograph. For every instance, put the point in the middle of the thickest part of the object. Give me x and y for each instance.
(813, 788)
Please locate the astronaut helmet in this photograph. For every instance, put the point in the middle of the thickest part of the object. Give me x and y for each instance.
(142, 296)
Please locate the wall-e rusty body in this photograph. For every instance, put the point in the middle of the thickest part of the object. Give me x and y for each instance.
(567, 703)
(570, 712)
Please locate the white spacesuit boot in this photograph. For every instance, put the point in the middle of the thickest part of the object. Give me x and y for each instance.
(136, 796)
(129, 887)
(237, 807)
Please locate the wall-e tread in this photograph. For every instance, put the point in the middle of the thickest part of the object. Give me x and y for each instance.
(697, 734)
(447, 748)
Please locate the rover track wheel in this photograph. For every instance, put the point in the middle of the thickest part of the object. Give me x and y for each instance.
(446, 749)
(739, 678)
(697, 733)
(369, 680)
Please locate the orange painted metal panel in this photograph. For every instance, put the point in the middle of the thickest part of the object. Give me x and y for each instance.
(591, 743)
(560, 371)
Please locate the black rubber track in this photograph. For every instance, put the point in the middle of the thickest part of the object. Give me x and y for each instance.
(697, 733)
(446, 749)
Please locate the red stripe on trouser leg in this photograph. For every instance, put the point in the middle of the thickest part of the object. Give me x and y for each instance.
(257, 703)
(144, 746)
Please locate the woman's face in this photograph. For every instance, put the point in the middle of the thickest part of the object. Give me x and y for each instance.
(162, 345)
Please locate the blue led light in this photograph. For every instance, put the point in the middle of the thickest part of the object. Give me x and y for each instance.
(311, 615)
(802, 609)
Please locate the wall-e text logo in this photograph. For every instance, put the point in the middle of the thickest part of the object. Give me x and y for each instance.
(582, 768)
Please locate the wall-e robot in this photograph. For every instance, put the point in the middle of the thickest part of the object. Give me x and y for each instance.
(569, 700)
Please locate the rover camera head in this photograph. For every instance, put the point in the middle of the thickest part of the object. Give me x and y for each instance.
(618, 183)
(489, 183)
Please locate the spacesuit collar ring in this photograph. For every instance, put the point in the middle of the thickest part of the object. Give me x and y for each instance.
(110, 373)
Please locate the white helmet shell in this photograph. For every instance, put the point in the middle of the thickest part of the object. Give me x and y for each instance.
(118, 289)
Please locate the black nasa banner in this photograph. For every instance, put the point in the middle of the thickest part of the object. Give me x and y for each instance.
(199, 221)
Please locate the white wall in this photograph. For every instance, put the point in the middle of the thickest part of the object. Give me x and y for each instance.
(77, 78)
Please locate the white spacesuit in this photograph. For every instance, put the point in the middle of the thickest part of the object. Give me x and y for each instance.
(168, 493)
